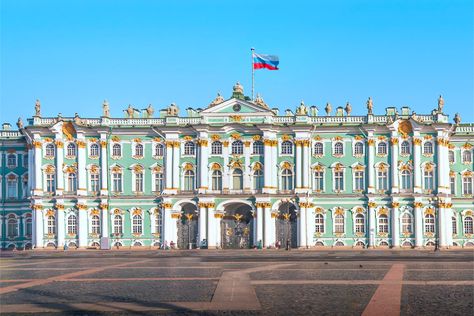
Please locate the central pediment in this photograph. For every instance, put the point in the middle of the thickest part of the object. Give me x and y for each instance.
(236, 107)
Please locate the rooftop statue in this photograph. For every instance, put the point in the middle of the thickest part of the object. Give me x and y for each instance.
(172, 110)
(348, 109)
(302, 109)
(19, 123)
(38, 108)
(105, 109)
(457, 118)
(328, 108)
(238, 88)
(130, 111)
(440, 104)
(219, 99)
(370, 106)
(77, 119)
(149, 111)
(259, 101)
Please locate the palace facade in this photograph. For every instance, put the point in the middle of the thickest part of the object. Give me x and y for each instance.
(237, 174)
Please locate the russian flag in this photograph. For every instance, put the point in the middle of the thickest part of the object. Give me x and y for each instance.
(265, 62)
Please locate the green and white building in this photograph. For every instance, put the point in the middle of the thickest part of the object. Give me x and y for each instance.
(237, 174)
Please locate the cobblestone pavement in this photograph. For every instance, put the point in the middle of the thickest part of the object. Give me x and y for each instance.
(242, 282)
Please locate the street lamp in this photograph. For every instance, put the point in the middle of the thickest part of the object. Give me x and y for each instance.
(189, 217)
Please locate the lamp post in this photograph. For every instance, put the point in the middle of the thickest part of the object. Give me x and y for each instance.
(189, 217)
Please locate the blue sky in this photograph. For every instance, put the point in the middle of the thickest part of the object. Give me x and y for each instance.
(74, 54)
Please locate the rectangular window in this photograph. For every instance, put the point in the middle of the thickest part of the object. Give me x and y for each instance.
(158, 182)
(50, 185)
(339, 224)
(359, 180)
(429, 185)
(467, 186)
(452, 185)
(139, 182)
(319, 181)
(382, 180)
(95, 182)
(25, 161)
(339, 181)
(11, 189)
(117, 182)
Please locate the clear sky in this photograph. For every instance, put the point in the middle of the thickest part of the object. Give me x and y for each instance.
(74, 54)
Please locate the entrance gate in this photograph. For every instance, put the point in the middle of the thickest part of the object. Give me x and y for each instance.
(287, 226)
(237, 228)
(187, 227)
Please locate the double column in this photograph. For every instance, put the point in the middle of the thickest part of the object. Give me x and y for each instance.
(372, 231)
(38, 185)
(207, 224)
(418, 224)
(371, 162)
(104, 220)
(203, 164)
(443, 164)
(302, 165)
(172, 165)
(269, 154)
(258, 222)
(60, 223)
(417, 164)
(395, 224)
(81, 165)
(170, 223)
(103, 164)
(38, 227)
(247, 171)
(394, 142)
(59, 164)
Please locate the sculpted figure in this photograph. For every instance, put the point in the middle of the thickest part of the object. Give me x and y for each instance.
(105, 109)
(328, 108)
(37, 108)
(457, 118)
(172, 110)
(130, 111)
(370, 105)
(302, 110)
(77, 119)
(219, 99)
(150, 110)
(440, 104)
(348, 108)
(19, 123)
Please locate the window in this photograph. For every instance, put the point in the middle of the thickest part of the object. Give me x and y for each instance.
(429, 223)
(405, 148)
(428, 148)
(216, 148)
(71, 150)
(286, 148)
(318, 149)
(71, 182)
(358, 149)
(12, 227)
(12, 184)
(466, 156)
(139, 150)
(382, 180)
(158, 223)
(286, 180)
(95, 224)
(118, 225)
(429, 181)
(217, 180)
(50, 182)
(72, 225)
(116, 150)
(138, 182)
(189, 180)
(454, 225)
(94, 182)
(466, 185)
(257, 148)
(189, 149)
(468, 225)
(339, 181)
(94, 150)
(25, 161)
(137, 224)
(51, 225)
(359, 223)
(406, 180)
(11, 160)
(258, 179)
(237, 148)
(159, 150)
(382, 148)
(383, 223)
(117, 182)
(452, 184)
(339, 149)
(29, 227)
(406, 224)
(237, 179)
(339, 224)
(451, 156)
(359, 180)
(158, 182)
(319, 222)
(49, 151)
(319, 180)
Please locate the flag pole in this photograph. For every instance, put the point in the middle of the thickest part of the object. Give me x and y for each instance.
(253, 74)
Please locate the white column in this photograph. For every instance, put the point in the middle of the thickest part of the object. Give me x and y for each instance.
(211, 227)
(104, 221)
(218, 218)
(372, 231)
(442, 227)
(418, 224)
(443, 164)
(60, 225)
(31, 170)
(83, 231)
(225, 168)
(81, 165)
(395, 224)
(310, 225)
(203, 163)
(273, 166)
(302, 224)
(449, 227)
(269, 230)
(417, 164)
(169, 166)
(299, 161)
(371, 167)
(103, 165)
(59, 165)
(394, 167)
(306, 164)
(39, 228)
(267, 175)
(202, 223)
(176, 170)
(38, 188)
(259, 220)
(168, 226)
(248, 169)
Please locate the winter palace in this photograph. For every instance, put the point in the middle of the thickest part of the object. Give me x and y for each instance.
(238, 174)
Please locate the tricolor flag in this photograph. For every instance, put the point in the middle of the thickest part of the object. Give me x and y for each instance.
(265, 61)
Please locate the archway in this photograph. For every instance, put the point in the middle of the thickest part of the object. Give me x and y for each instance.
(286, 225)
(237, 227)
(188, 227)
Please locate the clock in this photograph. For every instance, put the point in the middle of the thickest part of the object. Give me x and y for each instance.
(236, 107)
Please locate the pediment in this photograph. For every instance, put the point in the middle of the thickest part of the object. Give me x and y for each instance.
(236, 107)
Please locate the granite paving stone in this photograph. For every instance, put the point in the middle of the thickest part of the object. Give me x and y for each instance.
(318, 275)
(443, 275)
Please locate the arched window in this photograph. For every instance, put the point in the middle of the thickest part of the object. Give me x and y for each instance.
(189, 148)
(451, 156)
(406, 180)
(258, 180)
(338, 149)
(318, 149)
(466, 185)
(139, 150)
(257, 148)
(158, 181)
(71, 150)
(454, 225)
(95, 224)
(118, 225)
(50, 182)
(468, 229)
(428, 148)
(49, 151)
(72, 225)
(382, 180)
(429, 223)
(287, 148)
(383, 223)
(466, 156)
(237, 179)
(237, 147)
(382, 148)
(189, 180)
(158, 223)
(29, 227)
(216, 148)
(428, 179)
(358, 149)
(319, 180)
(71, 182)
(217, 180)
(12, 227)
(407, 223)
(137, 224)
(51, 222)
(359, 223)
(11, 160)
(116, 150)
(94, 150)
(287, 180)
(339, 224)
(319, 224)
(159, 150)
(405, 148)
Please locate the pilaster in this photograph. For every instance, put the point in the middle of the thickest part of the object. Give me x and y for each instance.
(104, 220)
(103, 164)
(395, 183)
(81, 165)
(418, 223)
(417, 164)
(203, 163)
(59, 164)
(83, 232)
(38, 186)
(247, 170)
(60, 223)
(372, 231)
(395, 224)
(371, 166)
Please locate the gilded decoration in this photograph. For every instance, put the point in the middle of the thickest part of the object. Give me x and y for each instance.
(219, 215)
(157, 139)
(382, 167)
(305, 204)
(394, 140)
(94, 169)
(236, 164)
(95, 212)
(215, 137)
(50, 169)
(468, 213)
(157, 169)
(427, 137)
(339, 211)
(175, 215)
(429, 167)
(358, 137)
(137, 140)
(215, 166)
(360, 210)
(467, 146)
(103, 143)
(68, 130)
(285, 137)
(270, 142)
(395, 204)
(318, 168)
(418, 204)
(319, 210)
(202, 142)
(225, 143)
(383, 211)
(115, 139)
(467, 173)
(37, 144)
(451, 146)
(417, 141)
(317, 138)
(371, 142)
(188, 166)
(247, 143)
(116, 169)
(188, 138)
(235, 136)
(81, 206)
(117, 212)
(372, 204)
(236, 118)
(256, 137)
(36, 207)
(48, 140)
(359, 168)
(405, 127)
(167, 205)
(137, 169)
(257, 166)
(286, 165)
(452, 173)
(429, 211)
(93, 140)
(381, 138)
(339, 167)
(59, 206)
(49, 213)
(137, 211)
(104, 206)
(70, 169)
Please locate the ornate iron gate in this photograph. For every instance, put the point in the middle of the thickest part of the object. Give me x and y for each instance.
(287, 229)
(187, 232)
(236, 234)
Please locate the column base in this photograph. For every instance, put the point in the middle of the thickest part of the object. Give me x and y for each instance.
(269, 190)
(301, 190)
(170, 191)
(38, 192)
(202, 190)
(104, 192)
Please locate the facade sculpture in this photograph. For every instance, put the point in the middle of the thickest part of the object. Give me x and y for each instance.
(105, 109)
